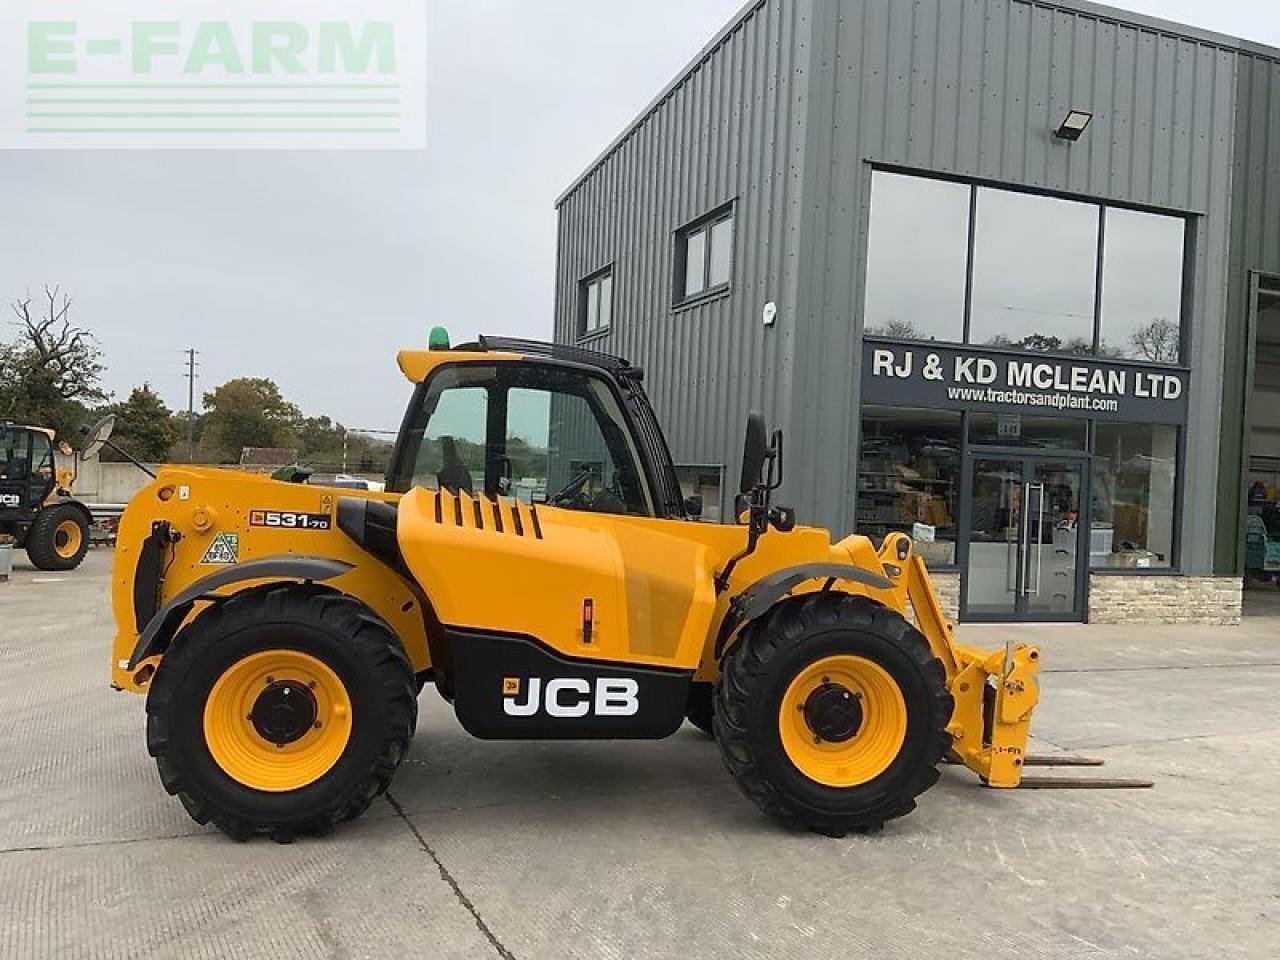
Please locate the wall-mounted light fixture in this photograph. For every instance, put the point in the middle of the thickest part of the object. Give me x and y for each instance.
(1074, 126)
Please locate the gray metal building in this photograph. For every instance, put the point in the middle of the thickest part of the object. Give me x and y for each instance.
(1004, 271)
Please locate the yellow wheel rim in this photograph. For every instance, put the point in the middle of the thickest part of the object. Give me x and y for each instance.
(860, 718)
(67, 539)
(277, 720)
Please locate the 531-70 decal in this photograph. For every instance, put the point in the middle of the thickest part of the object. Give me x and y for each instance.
(287, 520)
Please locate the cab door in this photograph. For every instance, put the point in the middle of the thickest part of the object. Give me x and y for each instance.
(530, 519)
(17, 487)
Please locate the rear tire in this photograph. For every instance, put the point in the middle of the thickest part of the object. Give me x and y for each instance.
(58, 538)
(241, 743)
(874, 758)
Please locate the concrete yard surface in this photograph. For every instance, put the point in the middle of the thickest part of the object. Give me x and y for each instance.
(640, 850)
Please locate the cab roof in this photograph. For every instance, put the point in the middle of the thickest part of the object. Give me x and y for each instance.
(417, 364)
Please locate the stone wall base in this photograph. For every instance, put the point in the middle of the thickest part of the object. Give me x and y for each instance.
(947, 587)
(1137, 598)
(1144, 599)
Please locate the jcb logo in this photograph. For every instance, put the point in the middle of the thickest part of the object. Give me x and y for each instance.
(10, 500)
(568, 697)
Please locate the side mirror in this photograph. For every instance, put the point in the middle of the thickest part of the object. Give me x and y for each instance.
(95, 437)
(693, 507)
(755, 449)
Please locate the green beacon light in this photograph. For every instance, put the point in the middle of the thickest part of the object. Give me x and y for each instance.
(439, 339)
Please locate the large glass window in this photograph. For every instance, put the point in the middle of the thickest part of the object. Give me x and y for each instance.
(1024, 269)
(1035, 272)
(917, 258)
(909, 478)
(1142, 286)
(1135, 473)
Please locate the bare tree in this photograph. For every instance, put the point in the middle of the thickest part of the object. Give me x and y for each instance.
(50, 373)
(1157, 341)
(63, 357)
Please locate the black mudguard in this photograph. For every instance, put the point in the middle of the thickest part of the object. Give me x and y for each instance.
(160, 630)
(757, 599)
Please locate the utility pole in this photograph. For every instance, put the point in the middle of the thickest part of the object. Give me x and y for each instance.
(191, 405)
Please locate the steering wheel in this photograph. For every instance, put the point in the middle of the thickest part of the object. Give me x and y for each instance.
(570, 490)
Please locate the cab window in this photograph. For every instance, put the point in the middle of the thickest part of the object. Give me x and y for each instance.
(15, 454)
(540, 433)
(41, 457)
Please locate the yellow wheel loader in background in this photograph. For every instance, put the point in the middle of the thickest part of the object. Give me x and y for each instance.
(37, 507)
(533, 558)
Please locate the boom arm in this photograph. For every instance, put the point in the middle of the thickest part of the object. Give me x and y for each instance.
(994, 693)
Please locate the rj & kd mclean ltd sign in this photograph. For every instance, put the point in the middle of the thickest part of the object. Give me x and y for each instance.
(965, 378)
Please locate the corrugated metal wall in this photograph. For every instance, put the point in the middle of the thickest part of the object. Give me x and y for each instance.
(975, 88)
(733, 129)
(789, 114)
(1255, 245)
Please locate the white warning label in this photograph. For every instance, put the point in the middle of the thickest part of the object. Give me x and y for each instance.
(224, 549)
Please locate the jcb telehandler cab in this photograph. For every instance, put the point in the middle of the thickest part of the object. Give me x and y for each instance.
(36, 505)
(534, 559)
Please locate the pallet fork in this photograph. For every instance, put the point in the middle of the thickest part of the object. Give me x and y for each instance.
(995, 694)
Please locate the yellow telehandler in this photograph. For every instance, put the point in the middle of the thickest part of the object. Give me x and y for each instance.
(534, 559)
(37, 507)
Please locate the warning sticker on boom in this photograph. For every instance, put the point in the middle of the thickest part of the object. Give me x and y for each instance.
(225, 549)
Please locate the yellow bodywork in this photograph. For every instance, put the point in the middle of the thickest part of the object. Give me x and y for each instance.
(503, 566)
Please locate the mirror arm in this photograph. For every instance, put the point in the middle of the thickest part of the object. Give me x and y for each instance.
(757, 523)
(141, 466)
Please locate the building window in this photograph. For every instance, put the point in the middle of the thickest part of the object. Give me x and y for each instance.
(704, 255)
(1035, 272)
(1142, 268)
(1001, 268)
(595, 303)
(909, 478)
(1135, 474)
(917, 258)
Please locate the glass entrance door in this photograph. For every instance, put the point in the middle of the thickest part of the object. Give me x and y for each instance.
(1023, 539)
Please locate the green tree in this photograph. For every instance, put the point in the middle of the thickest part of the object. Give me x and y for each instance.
(246, 412)
(145, 427)
(50, 374)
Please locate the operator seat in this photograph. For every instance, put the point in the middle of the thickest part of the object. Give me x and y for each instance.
(454, 475)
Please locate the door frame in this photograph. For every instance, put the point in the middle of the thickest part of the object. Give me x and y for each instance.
(1027, 456)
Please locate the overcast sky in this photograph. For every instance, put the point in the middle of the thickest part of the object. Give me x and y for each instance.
(313, 268)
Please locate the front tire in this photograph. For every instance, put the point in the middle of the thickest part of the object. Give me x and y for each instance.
(283, 710)
(832, 714)
(58, 538)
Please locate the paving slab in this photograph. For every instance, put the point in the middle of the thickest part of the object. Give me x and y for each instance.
(639, 850)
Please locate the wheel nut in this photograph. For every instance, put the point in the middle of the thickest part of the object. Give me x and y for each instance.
(311, 684)
(269, 680)
(318, 725)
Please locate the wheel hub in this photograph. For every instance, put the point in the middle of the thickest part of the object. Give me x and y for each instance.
(284, 712)
(833, 713)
